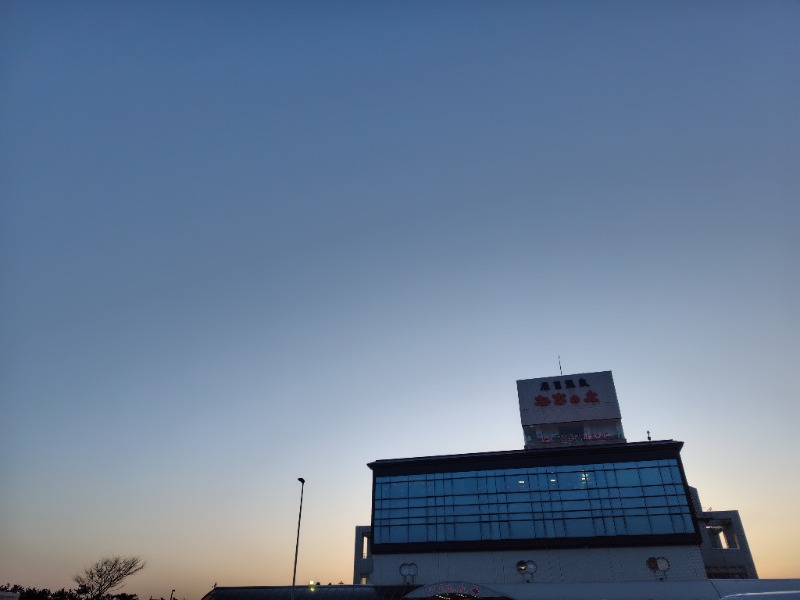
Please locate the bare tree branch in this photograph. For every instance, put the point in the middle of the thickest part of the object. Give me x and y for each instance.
(107, 574)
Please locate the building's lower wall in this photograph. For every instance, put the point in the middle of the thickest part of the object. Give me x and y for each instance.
(556, 566)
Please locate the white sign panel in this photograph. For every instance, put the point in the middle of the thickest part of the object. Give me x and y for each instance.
(568, 398)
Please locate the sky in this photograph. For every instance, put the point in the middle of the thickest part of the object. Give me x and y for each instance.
(246, 242)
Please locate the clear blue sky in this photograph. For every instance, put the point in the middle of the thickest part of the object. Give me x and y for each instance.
(244, 242)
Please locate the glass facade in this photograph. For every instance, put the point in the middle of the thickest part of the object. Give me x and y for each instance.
(574, 501)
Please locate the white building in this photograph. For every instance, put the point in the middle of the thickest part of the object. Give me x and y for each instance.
(578, 506)
(578, 514)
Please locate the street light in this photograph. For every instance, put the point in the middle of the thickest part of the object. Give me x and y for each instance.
(297, 544)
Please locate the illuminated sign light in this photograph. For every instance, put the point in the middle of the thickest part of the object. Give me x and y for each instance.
(561, 399)
(573, 437)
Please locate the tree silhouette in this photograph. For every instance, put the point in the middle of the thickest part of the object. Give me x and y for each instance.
(107, 574)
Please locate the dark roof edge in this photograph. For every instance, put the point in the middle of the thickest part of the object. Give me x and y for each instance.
(597, 451)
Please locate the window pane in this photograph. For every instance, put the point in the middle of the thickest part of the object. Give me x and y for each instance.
(661, 524)
(650, 476)
(579, 527)
(628, 477)
(465, 486)
(522, 529)
(638, 525)
(398, 534)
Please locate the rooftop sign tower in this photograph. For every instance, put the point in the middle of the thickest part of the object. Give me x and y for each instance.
(570, 410)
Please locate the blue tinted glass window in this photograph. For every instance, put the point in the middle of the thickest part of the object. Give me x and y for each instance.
(468, 509)
(650, 476)
(538, 529)
(398, 490)
(599, 527)
(608, 525)
(638, 525)
(522, 529)
(569, 501)
(632, 502)
(560, 528)
(630, 492)
(660, 524)
(398, 534)
(550, 528)
(519, 507)
(465, 486)
(466, 499)
(467, 531)
(579, 527)
(653, 490)
(417, 489)
(574, 494)
(628, 477)
(687, 523)
(676, 474)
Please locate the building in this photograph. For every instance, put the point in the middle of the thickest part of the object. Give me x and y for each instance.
(579, 504)
(579, 513)
(572, 514)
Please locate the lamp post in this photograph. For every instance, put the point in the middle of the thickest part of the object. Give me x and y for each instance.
(297, 544)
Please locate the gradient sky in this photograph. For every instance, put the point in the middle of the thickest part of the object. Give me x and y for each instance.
(244, 242)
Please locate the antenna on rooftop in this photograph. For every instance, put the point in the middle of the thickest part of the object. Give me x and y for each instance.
(560, 372)
(648, 435)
